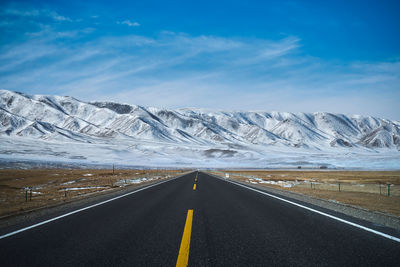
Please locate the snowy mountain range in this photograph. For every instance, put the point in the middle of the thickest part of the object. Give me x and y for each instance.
(64, 128)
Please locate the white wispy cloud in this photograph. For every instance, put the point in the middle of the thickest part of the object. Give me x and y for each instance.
(35, 13)
(129, 23)
(54, 15)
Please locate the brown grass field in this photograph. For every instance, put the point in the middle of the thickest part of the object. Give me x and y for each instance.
(366, 189)
(55, 186)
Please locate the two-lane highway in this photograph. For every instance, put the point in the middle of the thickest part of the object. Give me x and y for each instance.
(202, 219)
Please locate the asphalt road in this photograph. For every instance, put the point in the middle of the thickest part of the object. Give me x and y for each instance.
(232, 226)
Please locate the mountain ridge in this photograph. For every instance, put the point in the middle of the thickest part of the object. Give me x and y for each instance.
(186, 133)
(103, 119)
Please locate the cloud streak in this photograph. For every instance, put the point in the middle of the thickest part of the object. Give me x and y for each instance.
(35, 13)
(129, 23)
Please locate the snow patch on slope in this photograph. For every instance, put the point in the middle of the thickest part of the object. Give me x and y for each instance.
(64, 128)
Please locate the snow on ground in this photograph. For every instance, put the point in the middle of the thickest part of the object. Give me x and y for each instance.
(254, 180)
(125, 182)
(153, 154)
(82, 188)
(67, 183)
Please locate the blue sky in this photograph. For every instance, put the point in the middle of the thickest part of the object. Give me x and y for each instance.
(296, 56)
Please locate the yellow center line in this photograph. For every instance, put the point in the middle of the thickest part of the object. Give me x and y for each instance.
(183, 257)
(194, 187)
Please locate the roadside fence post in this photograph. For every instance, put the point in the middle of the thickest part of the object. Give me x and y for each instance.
(339, 187)
(30, 195)
(380, 189)
(311, 185)
(388, 190)
(26, 195)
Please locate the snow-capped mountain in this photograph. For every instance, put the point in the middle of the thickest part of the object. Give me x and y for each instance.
(196, 133)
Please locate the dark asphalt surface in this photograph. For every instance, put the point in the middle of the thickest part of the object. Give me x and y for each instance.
(232, 226)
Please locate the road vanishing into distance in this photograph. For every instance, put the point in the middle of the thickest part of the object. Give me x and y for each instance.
(199, 220)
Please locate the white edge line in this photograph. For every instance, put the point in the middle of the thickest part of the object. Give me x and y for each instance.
(317, 211)
(85, 208)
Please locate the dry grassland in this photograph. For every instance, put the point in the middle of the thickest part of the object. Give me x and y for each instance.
(54, 186)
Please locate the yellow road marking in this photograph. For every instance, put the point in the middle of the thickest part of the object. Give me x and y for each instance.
(194, 187)
(183, 257)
